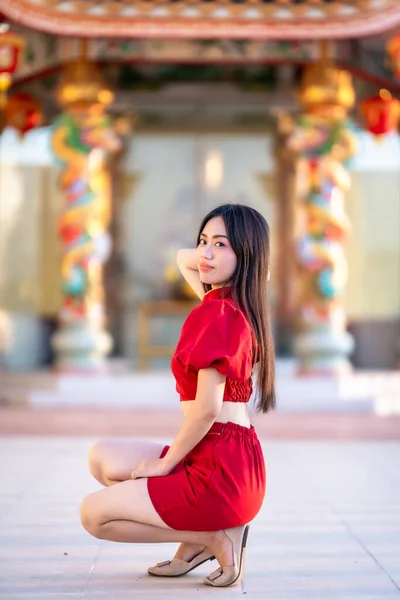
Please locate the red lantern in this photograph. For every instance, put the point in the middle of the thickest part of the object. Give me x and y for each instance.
(23, 113)
(381, 113)
(393, 49)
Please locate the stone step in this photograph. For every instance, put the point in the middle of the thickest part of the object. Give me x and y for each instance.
(377, 392)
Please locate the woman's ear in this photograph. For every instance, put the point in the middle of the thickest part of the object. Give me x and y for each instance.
(269, 275)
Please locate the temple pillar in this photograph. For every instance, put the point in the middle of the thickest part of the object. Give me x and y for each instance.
(285, 251)
(320, 142)
(83, 141)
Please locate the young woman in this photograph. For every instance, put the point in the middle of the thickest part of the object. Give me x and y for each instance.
(206, 487)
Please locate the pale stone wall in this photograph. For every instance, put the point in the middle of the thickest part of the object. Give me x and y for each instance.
(164, 209)
(29, 249)
(373, 205)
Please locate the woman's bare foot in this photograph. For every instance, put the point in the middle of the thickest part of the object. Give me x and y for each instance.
(187, 552)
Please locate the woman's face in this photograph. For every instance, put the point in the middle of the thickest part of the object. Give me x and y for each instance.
(216, 259)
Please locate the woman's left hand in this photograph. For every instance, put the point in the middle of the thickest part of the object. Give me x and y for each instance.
(151, 468)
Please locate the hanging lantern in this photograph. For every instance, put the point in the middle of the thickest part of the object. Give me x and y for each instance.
(393, 50)
(23, 113)
(381, 113)
(10, 48)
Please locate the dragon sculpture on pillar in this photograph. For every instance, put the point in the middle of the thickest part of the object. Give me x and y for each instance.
(321, 142)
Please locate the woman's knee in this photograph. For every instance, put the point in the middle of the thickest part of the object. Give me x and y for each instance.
(90, 517)
(96, 462)
(106, 466)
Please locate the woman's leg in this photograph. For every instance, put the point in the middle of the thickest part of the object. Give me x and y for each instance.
(124, 513)
(112, 461)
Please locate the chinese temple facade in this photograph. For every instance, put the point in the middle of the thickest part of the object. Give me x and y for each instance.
(125, 122)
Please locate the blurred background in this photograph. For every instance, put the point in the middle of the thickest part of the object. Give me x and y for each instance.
(124, 123)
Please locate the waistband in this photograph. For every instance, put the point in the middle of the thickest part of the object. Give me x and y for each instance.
(232, 429)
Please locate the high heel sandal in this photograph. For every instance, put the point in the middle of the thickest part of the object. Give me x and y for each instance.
(231, 574)
(177, 567)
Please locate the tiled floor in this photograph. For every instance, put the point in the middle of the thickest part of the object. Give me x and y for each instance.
(329, 528)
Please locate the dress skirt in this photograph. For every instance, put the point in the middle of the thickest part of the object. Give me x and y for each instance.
(219, 484)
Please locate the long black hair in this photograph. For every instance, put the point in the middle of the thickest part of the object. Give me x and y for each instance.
(248, 234)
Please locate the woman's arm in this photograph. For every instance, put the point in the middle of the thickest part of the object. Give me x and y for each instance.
(187, 264)
(202, 414)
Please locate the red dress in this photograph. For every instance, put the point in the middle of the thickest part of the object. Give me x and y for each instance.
(221, 482)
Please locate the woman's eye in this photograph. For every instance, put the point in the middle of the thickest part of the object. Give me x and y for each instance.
(203, 242)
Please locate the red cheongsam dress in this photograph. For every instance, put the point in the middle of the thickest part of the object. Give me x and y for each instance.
(221, 482)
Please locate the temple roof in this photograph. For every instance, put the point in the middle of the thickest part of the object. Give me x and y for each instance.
(225, 19)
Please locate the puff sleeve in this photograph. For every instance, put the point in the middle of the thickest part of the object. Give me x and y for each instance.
(217, 335)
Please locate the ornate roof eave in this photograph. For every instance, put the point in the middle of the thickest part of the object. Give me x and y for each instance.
(299, 23)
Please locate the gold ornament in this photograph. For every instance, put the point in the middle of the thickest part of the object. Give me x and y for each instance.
(81, 83)
(326, 91)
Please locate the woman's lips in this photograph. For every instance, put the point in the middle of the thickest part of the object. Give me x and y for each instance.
(205, 268)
